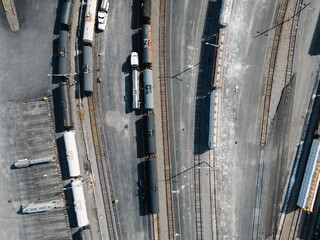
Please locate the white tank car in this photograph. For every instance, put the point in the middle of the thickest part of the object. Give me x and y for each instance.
(72, 153)
(90, 17)
(79, 203)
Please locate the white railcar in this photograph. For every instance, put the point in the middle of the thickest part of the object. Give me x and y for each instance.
(135, 90)
(90, 17)
(79, 203)
(310, 183)
(72, 153)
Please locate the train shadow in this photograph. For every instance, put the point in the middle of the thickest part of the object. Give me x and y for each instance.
(54, 61)
(142, 189)
(56, 28)
(128, 86)
(140, 139)
(58, 120)
(135, 14)
(70, 206)
(204, 87)
(315, 46)
(62, 158)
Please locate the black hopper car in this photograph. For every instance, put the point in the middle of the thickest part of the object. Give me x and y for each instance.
(146, 12)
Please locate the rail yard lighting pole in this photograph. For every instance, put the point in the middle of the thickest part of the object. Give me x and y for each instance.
(214, 45)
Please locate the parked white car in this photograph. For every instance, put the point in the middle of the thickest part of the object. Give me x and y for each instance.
(102, 20)
(134, 60)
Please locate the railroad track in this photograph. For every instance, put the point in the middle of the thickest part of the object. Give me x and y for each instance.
(107, 200)
(292, 42)
(271, 71)
(165, 118)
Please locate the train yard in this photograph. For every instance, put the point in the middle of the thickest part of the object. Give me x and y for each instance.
(161, 144)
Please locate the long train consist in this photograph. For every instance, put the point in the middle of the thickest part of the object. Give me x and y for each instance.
(69, 135)
(63, 64)
(151, 162)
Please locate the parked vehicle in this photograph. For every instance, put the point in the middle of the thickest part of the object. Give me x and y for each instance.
(102, 20)
(134, 59)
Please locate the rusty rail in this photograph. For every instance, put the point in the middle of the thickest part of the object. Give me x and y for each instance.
(113, 234)
(292, 42)
(272, 64)
(165, 118)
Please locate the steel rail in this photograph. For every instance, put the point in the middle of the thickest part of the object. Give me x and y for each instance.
(271, 71)
(113, 234)
(165, 118)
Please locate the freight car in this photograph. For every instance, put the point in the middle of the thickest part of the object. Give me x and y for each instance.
(135, 80)
(148, 89)
(79, 203)
(63, 52)
(87, 70)
(152, 186)
(72, 153)
(135, 90)
(89, 21)
(66, 13)
(146, 45)
(151, 134)
(65, 104)
(146, 12)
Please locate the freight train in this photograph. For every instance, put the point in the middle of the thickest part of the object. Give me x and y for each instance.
(151, 187)
(69, 135)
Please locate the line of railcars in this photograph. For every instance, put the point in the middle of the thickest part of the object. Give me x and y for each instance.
(151, 149)
(63, 64)
(88, 35)
(69, 135)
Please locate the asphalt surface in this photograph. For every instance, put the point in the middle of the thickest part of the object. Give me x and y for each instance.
(123, 136)
(185, 22)
(252, 181)
(305, 65)
(27, 56)
(238, 155)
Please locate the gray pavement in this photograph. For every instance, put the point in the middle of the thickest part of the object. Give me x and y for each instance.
(122, 132)
(185, 22)
(252, 182)
(26, 59)
(30, 135)
(238, 164)
(305, 65)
